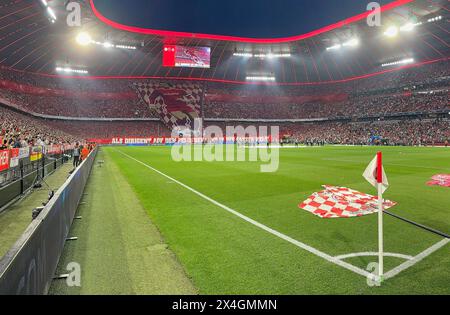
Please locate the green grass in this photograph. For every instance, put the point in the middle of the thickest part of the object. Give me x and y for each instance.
(223, 254)
(119, 250)
(15, 220)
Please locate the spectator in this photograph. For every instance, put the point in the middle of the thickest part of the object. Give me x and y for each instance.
(76, 155)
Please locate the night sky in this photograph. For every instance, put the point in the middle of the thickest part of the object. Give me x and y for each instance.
(244, 18)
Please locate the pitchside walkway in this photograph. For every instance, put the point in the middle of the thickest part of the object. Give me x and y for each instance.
(118, 249)
(15, 220)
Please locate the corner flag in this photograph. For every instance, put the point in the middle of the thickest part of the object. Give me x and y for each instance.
(376, 176)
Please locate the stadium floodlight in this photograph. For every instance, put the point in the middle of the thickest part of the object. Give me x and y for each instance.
(126, 47)
(407, 27)
(437, 18)
(391, 31)
(84, 39)
(51, 13)
(272, 55)
(282, 55)
(351, 43)
(335, 47)
(71, 70)
(111, 45)
(399, 62)
(243, 54)
(262, 55)
(261, 78)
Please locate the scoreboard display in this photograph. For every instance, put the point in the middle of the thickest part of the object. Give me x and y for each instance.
(184, 56)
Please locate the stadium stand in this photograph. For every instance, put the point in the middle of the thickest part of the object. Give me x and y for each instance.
(410, 94)
(116, 98)
(405, 132)
(393, 132)
(19, 130)
(108, 130)
(357, 107)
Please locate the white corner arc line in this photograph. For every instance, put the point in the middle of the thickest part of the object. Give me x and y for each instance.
(363, 254)
(299, 244)
(416, 259)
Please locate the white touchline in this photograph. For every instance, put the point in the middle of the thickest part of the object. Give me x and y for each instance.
(260, 225)
(416, 259)
(334, 260)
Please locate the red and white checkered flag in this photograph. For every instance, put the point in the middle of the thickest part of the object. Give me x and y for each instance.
(342, 202)
(177, 104)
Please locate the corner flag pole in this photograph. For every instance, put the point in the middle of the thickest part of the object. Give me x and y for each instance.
(380, 214)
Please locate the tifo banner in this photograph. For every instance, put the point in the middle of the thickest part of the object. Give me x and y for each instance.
(4, 160)
(440, 180)
(177, 104)
(342, 202)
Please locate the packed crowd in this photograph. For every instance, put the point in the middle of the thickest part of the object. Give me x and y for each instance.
(72, 107)
(392, 132)
(357, 107)
(18, 130)
(132, 107)
(109, 130)
(407, 132)
(431, 75)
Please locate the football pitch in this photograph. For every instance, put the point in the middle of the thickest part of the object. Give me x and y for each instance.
(236, 230)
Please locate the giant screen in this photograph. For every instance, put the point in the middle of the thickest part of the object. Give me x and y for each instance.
(183, 56)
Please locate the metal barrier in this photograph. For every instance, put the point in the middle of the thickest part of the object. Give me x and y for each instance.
(16, 181)
(29, 266)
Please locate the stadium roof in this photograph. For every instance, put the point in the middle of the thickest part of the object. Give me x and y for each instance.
(263, 21)
(30, 42)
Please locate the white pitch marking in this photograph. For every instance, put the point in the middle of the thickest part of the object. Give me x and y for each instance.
(362, 254)
(416, 259)
(308, 248)
(260, 225)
